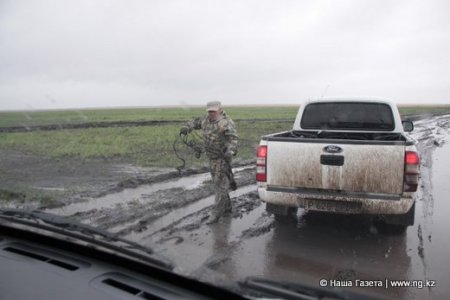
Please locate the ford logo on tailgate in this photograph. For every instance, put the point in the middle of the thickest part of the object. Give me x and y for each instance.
(332, 149)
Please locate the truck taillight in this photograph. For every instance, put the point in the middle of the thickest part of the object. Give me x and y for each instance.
(412, 164)
(261, 157)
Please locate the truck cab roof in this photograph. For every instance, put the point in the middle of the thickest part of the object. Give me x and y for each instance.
(351, 99)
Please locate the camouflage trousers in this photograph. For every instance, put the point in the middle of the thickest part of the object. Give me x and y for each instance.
(219, 169)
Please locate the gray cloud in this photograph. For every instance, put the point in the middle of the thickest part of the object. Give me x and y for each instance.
(58, 54)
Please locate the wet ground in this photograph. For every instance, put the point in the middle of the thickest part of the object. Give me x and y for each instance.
(168, 212)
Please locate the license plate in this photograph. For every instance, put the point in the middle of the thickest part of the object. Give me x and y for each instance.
(331, 205)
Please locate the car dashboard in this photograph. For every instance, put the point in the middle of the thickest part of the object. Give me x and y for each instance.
(39, 266)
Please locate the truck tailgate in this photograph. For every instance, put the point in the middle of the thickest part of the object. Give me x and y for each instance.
(367, 168)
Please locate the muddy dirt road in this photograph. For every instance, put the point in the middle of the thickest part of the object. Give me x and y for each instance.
(168, 213)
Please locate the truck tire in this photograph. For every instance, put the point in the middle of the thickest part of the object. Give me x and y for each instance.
(282, 214)
(399, 223)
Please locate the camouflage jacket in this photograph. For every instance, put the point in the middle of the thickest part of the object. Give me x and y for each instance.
(219, 135)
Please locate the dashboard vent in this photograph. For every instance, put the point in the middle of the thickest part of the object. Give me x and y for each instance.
(43, 258)
(123, 286)
(130, 289)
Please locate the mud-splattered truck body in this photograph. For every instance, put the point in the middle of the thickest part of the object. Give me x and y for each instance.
(348, 156)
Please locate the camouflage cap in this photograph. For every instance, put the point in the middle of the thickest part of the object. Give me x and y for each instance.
(213, 106)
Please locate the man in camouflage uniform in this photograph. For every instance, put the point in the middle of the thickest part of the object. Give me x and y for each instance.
(221, 143)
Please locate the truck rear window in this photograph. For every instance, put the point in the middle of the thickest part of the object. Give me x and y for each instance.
(348, 116)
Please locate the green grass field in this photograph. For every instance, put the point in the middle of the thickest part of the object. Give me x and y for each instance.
(32, 118)
(412, 110)
(144, 145)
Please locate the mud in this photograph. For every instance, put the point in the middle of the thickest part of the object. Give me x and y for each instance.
(72, 179)
(140, 206)
(161, 209)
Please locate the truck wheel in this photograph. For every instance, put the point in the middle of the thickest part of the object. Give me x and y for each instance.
(398, 223)
(282, 214)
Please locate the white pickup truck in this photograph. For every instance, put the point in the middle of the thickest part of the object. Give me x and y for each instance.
(348, 156)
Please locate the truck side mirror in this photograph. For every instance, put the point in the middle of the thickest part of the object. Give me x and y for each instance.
(408, 126)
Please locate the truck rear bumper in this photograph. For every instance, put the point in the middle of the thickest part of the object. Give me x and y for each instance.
(337, 202)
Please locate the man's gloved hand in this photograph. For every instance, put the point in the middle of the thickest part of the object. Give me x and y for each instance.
(228, 153)
(184, 130)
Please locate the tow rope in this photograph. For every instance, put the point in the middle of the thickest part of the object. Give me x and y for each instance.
(192, 144)
(198, 149)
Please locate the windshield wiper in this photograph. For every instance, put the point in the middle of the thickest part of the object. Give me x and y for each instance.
(68, 227)
(288, 290)
(57, 221)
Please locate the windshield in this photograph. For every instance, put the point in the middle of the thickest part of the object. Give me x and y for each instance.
(348, 116)
(144, 120)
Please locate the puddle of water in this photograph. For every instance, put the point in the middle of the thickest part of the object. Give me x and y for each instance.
(130, 169)
(439, 244)
(239, 169)
(51, 188)
(251, 258)
(178, 214)
(238, 226)
(432, 217)
(136, 194)
(131, 195)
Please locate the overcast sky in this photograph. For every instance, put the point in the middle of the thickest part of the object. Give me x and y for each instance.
(107, 53)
